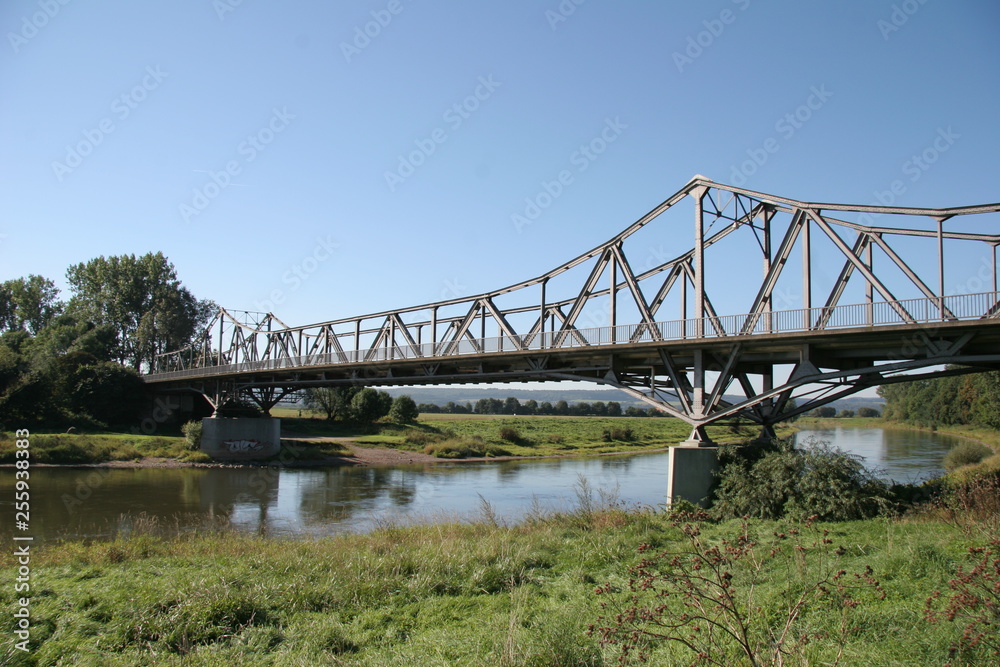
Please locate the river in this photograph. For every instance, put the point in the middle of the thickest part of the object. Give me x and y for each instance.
(100, 503)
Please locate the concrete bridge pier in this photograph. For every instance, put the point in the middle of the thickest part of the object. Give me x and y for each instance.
(691, 472)
(240, 439)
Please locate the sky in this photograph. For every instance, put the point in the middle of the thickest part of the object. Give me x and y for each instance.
(326, 160)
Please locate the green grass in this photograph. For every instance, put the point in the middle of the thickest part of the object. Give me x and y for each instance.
(82, 448)
(446, 594)
(451, 436)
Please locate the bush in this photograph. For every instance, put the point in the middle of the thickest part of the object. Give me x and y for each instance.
(772, 481)
(620, 434)
(510, 434)
(463, 448)
(192, 432)
(966, 453)
(403, 410)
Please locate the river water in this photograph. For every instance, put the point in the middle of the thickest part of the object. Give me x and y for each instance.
(100, 503)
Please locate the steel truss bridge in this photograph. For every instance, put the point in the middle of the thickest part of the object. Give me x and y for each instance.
(832, 298)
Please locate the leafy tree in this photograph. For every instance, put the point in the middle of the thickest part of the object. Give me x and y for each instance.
(511, 406)
(143, 300)
(868, 413)
(561, 408)
(599, 408)
(614, 409)
(845, 414)
(366, 406)
(107, 392)
(404, 410)
(28, 303)
(825, 412)
(334, 401)
(545, 408)
(384, 404)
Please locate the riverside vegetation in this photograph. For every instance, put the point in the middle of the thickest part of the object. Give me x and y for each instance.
(602, 584)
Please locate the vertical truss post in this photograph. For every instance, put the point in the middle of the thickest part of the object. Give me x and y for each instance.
(766, 247)
(357, 340)
(940, 250)
(869, 292)
(994, 269)
(699, 261)
(541, 312)
(434, 330)
(806, 276)
(612, 265)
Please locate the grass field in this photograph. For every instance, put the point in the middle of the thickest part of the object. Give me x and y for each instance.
(468, 594)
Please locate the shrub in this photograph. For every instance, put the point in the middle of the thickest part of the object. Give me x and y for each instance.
(621, 434)
(463, 448)
(510, 434)
(966, 453)
(192, 433)
(974, 603)
(554, 438)
(772, 481)
(707, 597)
(403, 410)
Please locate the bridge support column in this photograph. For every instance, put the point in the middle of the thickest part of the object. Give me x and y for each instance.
(691, 474)
(240, 439)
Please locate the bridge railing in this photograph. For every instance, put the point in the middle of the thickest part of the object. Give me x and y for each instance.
(875, 314)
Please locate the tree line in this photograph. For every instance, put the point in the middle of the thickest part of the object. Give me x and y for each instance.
(972, 400)
(77, 362)
(512, 406)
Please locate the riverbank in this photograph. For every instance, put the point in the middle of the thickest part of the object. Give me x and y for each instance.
(481, 593)
(308, 442)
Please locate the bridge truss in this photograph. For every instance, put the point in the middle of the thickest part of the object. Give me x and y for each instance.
(859, 304)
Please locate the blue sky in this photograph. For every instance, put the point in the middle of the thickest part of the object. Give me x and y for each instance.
(259, 144)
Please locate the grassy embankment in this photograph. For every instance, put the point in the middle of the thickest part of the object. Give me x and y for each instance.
(447, 436)
(459, 594)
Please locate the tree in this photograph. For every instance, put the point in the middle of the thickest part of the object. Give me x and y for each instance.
(384, 404)
(614, 409)
(530, 407)
(561, 408)
(825, 412)
(334, 401)
(511, 405)
(845, 414)
(366, 406)
(404, 410)
(143, 300)
(599, 408)
(28, 304)
(869, 413)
